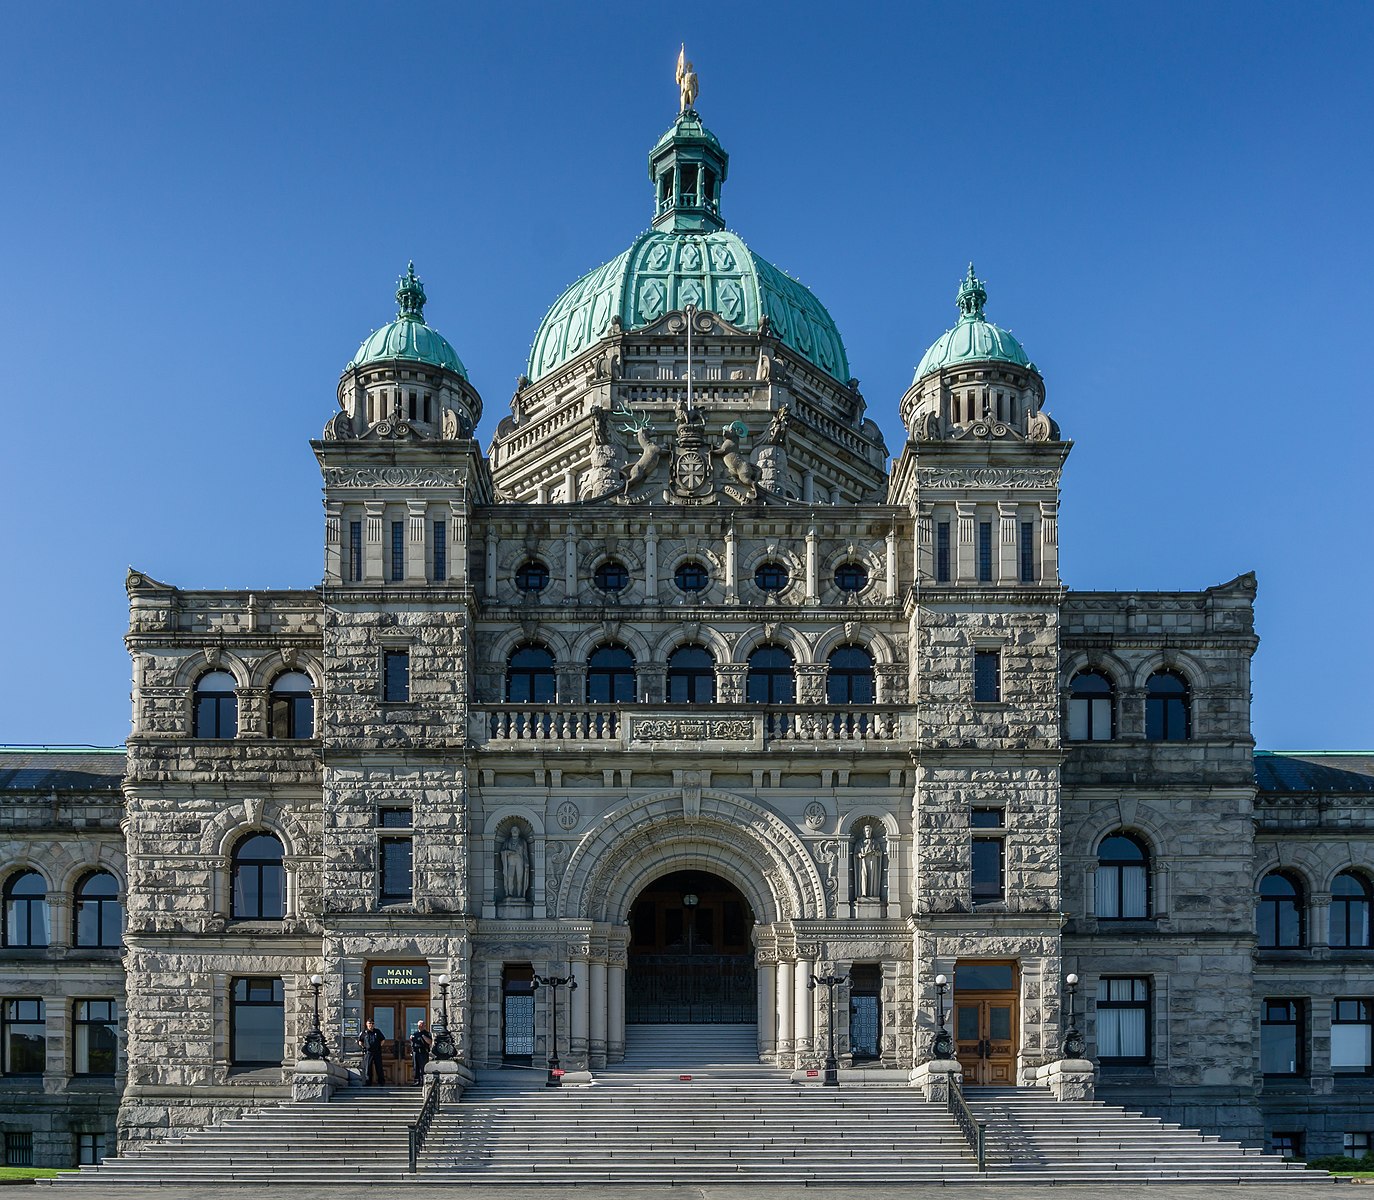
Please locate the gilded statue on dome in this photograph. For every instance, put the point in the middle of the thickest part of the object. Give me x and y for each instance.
(686, 80)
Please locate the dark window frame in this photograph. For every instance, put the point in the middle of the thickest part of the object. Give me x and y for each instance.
(394, 884)
(528, 682)
(276, 1000)
(772, 576)
(355, 552)
(611, 682)
(257, 868)
(987, 689)
(942, 552)
(851, 577)
(1294, 1016)
(1168, 708)
(396, 675)
(1269, 910)
(1144, 1005)
(440, 546)
(611, 576)
(851, 682)
(697, 679)
(26, 1013)
(691, 576)
(291, 714)
(85, 1020)
(1027, 548)
(767, 680)
(398, 550)
(532, 576)
(214, 714)
(30, 904)
(985, 556)
(1359, 1011)
(1348, 905)
(1083, 700)
(983, 888)
(1117, 865)
(108, 913)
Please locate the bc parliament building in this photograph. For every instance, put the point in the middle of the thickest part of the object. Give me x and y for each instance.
(685, 690)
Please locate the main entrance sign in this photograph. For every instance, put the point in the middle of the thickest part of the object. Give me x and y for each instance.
(393, 976)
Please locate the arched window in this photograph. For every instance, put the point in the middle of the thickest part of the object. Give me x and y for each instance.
(529, 676)
(1350, 901)
(851, 577)
(291, 712)
(611, 676)
(611, 576)
(691, 676)
(1167, 715)
(26, 910)
(1122, 891)
(771, 576)
(692, 576)
(98, 919)
(1092, 710)
(850, 680)
(1280, 917)
(532, 576)
(217, 708)
(771, 679)
(259, 879)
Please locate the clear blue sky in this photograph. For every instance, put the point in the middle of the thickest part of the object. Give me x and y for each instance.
(206, 206)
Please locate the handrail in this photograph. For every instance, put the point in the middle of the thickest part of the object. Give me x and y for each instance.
(975, 1131)
(418, 1129)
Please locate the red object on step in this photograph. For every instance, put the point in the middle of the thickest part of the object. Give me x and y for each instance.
(685, 1078)
(812, 1074)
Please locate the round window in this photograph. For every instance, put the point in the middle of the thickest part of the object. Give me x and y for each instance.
(771, 577)
(532, 576)
(612, 576)
(851, 577)
(691, 576)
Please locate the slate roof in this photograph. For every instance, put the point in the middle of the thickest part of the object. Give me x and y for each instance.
(1323, 771)
(61, 768)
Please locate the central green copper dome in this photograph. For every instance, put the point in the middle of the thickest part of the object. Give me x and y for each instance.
(688, 257)
(974, 338)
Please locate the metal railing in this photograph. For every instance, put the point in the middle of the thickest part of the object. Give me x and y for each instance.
(418, 1129)
(975, 1131)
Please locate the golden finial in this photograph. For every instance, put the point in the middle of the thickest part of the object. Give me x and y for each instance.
(686, 80)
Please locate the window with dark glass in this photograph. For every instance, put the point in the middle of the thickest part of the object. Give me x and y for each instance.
(97, 915)
(216, 706)
(532, 576)
(257, 1023)
(1167, 715)
(987, 676)
(850, 679)
(1357, 1145)
(1287, 1144)
(1280, 918)
(770, 678)
(1092, 708)
(770, 576)
(396, 676)
(19, 1148)
(1282, 1044)
(26, 910)
(355, 551)
(396, 856)
(691, 676)
(529, 676)
(398, 551)
(984, 551)
(692, 576)
(1122, 885)
(95, 1040)
(611, 576)
(259, 879)
(393, 818)
(942, 552)
(989, 868)
(90, 1149)
(851, 577)
(611, 676)
(440, 550)
(1027, 552)
(1123, 1020)
(1350, 901)
(291, 706)
(23, 1038)
(1352, 1037)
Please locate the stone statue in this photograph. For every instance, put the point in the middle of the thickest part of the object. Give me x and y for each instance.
(515, 864)
(650, 452)
(1042, 427)
(869, 860)
(686, 80)
(745, 473)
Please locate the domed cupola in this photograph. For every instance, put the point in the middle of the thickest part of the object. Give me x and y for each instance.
(687, 167)
(974, 338)
(408, 337)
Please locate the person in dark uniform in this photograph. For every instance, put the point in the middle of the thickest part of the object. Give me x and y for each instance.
(421, 1043)
(373, 1043)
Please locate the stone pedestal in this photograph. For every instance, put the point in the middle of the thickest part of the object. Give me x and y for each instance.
(514, 910)
(453, 1079)
(317, 1079)
(936, 1077)
(1068, 1079)
(870, 910)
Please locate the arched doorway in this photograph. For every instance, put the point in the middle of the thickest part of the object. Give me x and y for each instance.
(690, 957)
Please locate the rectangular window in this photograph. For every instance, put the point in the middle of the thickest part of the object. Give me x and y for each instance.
(395, 855)
(23, 1032)
(988, 818)
(1351, 1041)
(95, 1041)
(988, 869)
(440, 551)
(90, 1149)
(396, 676)
(1287, 1144)
(984, 551)
(987, 676)
(393, 818)
(1282, 1043)
(257, 1022)
(19, 1148)
(413, 401)
(942, 552)
(1027, 552)
(355, 551)
(398, 551)
(1123, 1020)
(1356, 1145)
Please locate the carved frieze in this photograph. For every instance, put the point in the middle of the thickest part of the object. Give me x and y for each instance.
(950, 478)
(691, 729)
(375, 477)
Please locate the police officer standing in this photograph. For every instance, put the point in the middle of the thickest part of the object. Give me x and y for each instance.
(421, 1043)
(373, 1043)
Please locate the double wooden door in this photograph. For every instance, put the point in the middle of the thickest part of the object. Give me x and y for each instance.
(397, 1020)
(985, 1037)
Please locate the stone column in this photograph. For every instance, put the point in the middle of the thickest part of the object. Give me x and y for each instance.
(1319, 936)
(570, 562)
(457, 543)
(812, 581)
(651, 563)
(598, 1002)
(651, 682)
(615, 1004)
(786, 1002)
(730, 682)
(768, 1006)
(803, 1022)
(890, 588)
(489, 585)
(731, 568)
(1049, 541)
(579, 1013)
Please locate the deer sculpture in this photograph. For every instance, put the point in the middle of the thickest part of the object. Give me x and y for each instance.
(650, 452)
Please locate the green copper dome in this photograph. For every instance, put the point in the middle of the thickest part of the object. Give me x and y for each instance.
(688, 257)
(408, 337)
(974, 338)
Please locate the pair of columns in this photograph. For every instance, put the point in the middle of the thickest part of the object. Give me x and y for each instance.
(595, 1012)
(788, 1026)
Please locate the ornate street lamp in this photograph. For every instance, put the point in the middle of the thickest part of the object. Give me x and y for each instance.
(1074, 1042)
(444, 1047)
(314, 1045)
(553, 983)
(830, 983)
(941, 1044)
(690, 902)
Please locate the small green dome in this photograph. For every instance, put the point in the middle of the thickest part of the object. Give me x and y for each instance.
(408, 337)
(974, 338)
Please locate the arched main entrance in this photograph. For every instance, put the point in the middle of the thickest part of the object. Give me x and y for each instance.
(690, 959)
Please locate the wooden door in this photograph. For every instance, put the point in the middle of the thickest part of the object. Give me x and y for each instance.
(397, 1020)
(985, 1037)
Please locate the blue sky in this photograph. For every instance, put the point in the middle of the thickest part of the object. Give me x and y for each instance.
(206, 207)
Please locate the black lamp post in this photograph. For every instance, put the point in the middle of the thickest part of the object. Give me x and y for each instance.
(314, 1045)
(553, 983)
(941, 1044)
(444, 1047)
(830, 983)
(1074, 1042)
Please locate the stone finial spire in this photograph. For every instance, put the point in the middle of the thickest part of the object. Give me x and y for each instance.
(972, 296)
(410, 297)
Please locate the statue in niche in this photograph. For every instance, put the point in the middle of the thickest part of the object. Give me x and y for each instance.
(515, 864)
(868, 860)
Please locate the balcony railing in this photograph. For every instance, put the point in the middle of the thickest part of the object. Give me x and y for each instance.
(523, 724)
